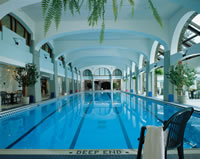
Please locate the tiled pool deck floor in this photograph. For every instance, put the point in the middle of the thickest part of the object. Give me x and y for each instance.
(87, 154)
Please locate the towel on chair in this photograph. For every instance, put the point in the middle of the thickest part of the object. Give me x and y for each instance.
(154, 143)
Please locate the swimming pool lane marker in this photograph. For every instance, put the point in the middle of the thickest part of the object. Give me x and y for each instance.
(128, 143)
(34, 127)
(79, 127)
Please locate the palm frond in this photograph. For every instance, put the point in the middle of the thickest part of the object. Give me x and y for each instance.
(121, 3)
(65, 3)
(115, 9)
(101, 38)
(48, 18)
(131, 2)
(58, 12)
(155, 13)
(45, 5)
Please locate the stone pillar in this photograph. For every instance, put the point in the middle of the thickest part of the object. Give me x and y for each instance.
(141, 83)
(0, 104)
(126, 80)
(55, 78)
(131, 80)
(111, 83)
(77, 85)
(147, 79)
(36, 89)
(93, 85)
(65, 79)
(153, 82)
(172, 89)
(166, 71)
(81, 85)
(72, 83)
(136, 80)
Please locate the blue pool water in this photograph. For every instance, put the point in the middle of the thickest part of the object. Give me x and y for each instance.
(89, 121)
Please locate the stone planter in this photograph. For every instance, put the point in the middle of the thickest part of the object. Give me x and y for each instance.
(181, 99)
(25, 100)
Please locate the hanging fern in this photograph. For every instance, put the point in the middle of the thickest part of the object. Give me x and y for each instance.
(121, 3)
(155, 13)
(132, 5)
(52, 10)
(115, 9)
(45, 4)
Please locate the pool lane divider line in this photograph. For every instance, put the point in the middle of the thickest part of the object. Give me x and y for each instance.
(75, 138)
(34, 127)
(128, 143)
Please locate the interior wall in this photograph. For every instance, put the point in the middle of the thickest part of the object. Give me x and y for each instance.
(7, 83)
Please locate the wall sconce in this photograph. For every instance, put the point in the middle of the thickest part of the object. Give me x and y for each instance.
(45, 56)
(17, 40)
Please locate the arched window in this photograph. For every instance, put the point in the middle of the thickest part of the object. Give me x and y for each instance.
(159, 53)
(117, 72)
(48, 49)
(13, 24)
(102, 72)
(87, 73)
(190, 34)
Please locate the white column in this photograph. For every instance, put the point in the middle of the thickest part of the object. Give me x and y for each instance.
(126, 80)
(131, 80)
(111, 83)
(166, 71)
(65, 80)
(72, 80)
(81, 85)
(55, 78)
(0, 104)
(153, 82)
(147, 79)
(36, 89)
(136, 80)
(77, 85)
(93, 86)
(141, 82)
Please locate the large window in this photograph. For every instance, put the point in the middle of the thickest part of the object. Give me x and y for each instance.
(61, 58)
(191, 33)
(13, 24)
(117, 72)
(102, 72)
(159, 53)
(47, 48)
(87, 73)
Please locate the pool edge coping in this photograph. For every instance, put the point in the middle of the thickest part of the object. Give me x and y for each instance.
(194, 151)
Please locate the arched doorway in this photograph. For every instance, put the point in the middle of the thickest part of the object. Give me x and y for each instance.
(105, 85)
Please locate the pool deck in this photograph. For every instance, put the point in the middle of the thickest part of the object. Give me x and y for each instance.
(86, 154)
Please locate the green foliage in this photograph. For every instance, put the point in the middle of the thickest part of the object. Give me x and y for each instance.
(131, 2)
(97, 11)
(115, 9)
(53, 9)
(26, 76)
(181, 76)
(159, 71)
(155, 13)
(134, 77)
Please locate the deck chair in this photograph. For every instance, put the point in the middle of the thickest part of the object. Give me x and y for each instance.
(175, 126)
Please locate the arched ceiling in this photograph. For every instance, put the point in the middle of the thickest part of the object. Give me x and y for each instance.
(124, 42)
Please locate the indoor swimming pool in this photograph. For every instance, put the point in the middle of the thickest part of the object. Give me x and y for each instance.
(100, 120)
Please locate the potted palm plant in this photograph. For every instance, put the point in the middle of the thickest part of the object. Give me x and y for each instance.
(26, 76)
(182, 76)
